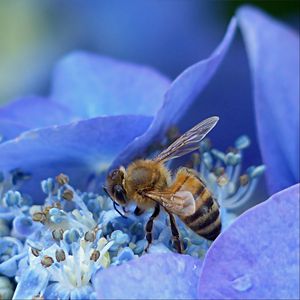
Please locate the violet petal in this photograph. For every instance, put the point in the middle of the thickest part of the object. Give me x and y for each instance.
(153, 276)
(273, 51)
(179, 97)
(257, 257)
(78, 149)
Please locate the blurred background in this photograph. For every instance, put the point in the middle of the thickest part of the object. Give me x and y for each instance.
(169, 35)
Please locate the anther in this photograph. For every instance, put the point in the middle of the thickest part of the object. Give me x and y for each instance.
(38, 297)
(39, 217)
(231, 149)
(90, 236)
(62, 179)
(95, 255)
(219, 171)
(47, 261)
(222, 180)
(58, 234)
(57, 205)
(68, 195)
(35, 252)
(60, 255)
(244, 180)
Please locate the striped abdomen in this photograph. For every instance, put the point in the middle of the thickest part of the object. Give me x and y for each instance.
(205, 221)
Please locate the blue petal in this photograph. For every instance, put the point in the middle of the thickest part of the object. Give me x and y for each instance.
(56, 291)
(273, 50)
(153, 276)
(179, 97)
(24, 226)
(9, 266)
(93, 85)
(78, 149)
(35, 112)
(32, 282)
(257, 257)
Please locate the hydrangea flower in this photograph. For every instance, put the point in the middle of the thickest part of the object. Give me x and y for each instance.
(60, 249)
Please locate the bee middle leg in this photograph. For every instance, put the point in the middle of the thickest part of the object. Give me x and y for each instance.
(175, 233)
(149, 226)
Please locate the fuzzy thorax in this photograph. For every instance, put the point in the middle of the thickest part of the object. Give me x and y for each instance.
(142, 176)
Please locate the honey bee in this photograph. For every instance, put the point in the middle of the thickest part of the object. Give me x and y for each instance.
(149, 184)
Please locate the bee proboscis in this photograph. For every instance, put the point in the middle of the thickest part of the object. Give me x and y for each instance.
(149, 184)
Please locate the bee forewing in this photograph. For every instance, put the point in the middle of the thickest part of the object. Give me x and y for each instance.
(189, 141)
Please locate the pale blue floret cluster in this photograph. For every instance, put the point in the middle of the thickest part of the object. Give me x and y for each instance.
(60, 245)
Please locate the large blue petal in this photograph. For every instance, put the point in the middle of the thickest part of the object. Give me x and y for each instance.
(180, 96)
(257, 257)
(35, 112)
(93, 85)
(273, 50)
(153, 276)
(77, 149)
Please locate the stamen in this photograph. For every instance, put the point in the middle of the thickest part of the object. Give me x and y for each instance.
(62, 179)
(60, 255)
(67, 195)
(47, 261)
(57, 234)
(244, 180)
(95, 255)
(35, 252)
(38, 297)
(39, 217)
(90, 236)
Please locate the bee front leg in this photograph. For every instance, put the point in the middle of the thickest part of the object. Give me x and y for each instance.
(175, 234)
(149, 226)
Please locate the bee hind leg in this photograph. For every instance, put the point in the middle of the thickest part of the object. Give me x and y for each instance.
(175, 234)
(149, 226)
(138, 211)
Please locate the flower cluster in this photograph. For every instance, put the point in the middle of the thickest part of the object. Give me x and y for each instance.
(64, 242)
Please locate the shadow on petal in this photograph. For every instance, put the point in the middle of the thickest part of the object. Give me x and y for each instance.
(153, 276)
(179, 97)
(78, 149)
(273, 51)
(257, 257)
(35, 112)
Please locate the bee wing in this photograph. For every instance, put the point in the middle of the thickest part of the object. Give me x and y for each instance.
(189, 141)
(181, 203)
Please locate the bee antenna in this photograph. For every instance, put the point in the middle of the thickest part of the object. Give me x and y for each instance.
(105, 190)
(115, 203)
(116, 209)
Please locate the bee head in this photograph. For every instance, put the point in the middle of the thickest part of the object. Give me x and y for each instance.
(114, 186)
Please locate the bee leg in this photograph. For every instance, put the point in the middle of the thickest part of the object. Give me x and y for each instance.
(138, 211)
(175, 234)
(149, 226)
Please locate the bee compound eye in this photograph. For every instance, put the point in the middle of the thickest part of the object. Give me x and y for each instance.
(114, 174)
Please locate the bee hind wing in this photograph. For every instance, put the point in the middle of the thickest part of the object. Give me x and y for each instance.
(181, 203)
(188, 203)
